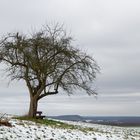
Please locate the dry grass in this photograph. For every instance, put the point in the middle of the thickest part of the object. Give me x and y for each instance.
(4, 121)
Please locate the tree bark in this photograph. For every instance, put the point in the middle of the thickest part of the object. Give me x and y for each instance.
(33, 107)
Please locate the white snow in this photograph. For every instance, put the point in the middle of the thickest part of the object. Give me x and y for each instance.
(27, 130)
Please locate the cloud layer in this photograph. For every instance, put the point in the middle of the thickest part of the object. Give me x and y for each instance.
(108, 30)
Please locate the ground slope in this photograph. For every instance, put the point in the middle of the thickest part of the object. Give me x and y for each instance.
(28, 130)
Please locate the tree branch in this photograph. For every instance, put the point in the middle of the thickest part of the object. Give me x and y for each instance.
(65, 71)
(46, 94)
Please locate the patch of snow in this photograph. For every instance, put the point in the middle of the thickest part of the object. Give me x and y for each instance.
(26, 130)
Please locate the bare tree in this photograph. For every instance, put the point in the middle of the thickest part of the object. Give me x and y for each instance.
(47, 62)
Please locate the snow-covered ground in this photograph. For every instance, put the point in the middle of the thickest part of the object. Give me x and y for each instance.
(26, 130)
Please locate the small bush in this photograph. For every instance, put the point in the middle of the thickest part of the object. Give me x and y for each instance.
(4, 121)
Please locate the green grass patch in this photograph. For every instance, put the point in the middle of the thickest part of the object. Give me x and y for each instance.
(49, 122)
(58, 124)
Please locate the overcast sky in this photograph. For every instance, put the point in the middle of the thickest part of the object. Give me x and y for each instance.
(107, 29)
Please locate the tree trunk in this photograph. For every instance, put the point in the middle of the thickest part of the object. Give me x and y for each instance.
(33, 107)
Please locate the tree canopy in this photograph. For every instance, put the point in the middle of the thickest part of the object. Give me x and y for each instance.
(47, 61)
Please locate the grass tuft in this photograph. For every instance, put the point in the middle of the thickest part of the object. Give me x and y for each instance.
(57, 124)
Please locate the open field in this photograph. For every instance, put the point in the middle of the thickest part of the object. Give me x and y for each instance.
(64, 130)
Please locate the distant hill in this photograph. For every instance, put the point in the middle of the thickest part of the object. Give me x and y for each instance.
(68, 117)
(116, 121)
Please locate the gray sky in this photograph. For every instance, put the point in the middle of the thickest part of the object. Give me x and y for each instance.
(107, 29)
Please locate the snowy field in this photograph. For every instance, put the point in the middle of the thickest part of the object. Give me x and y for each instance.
(27, 130)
